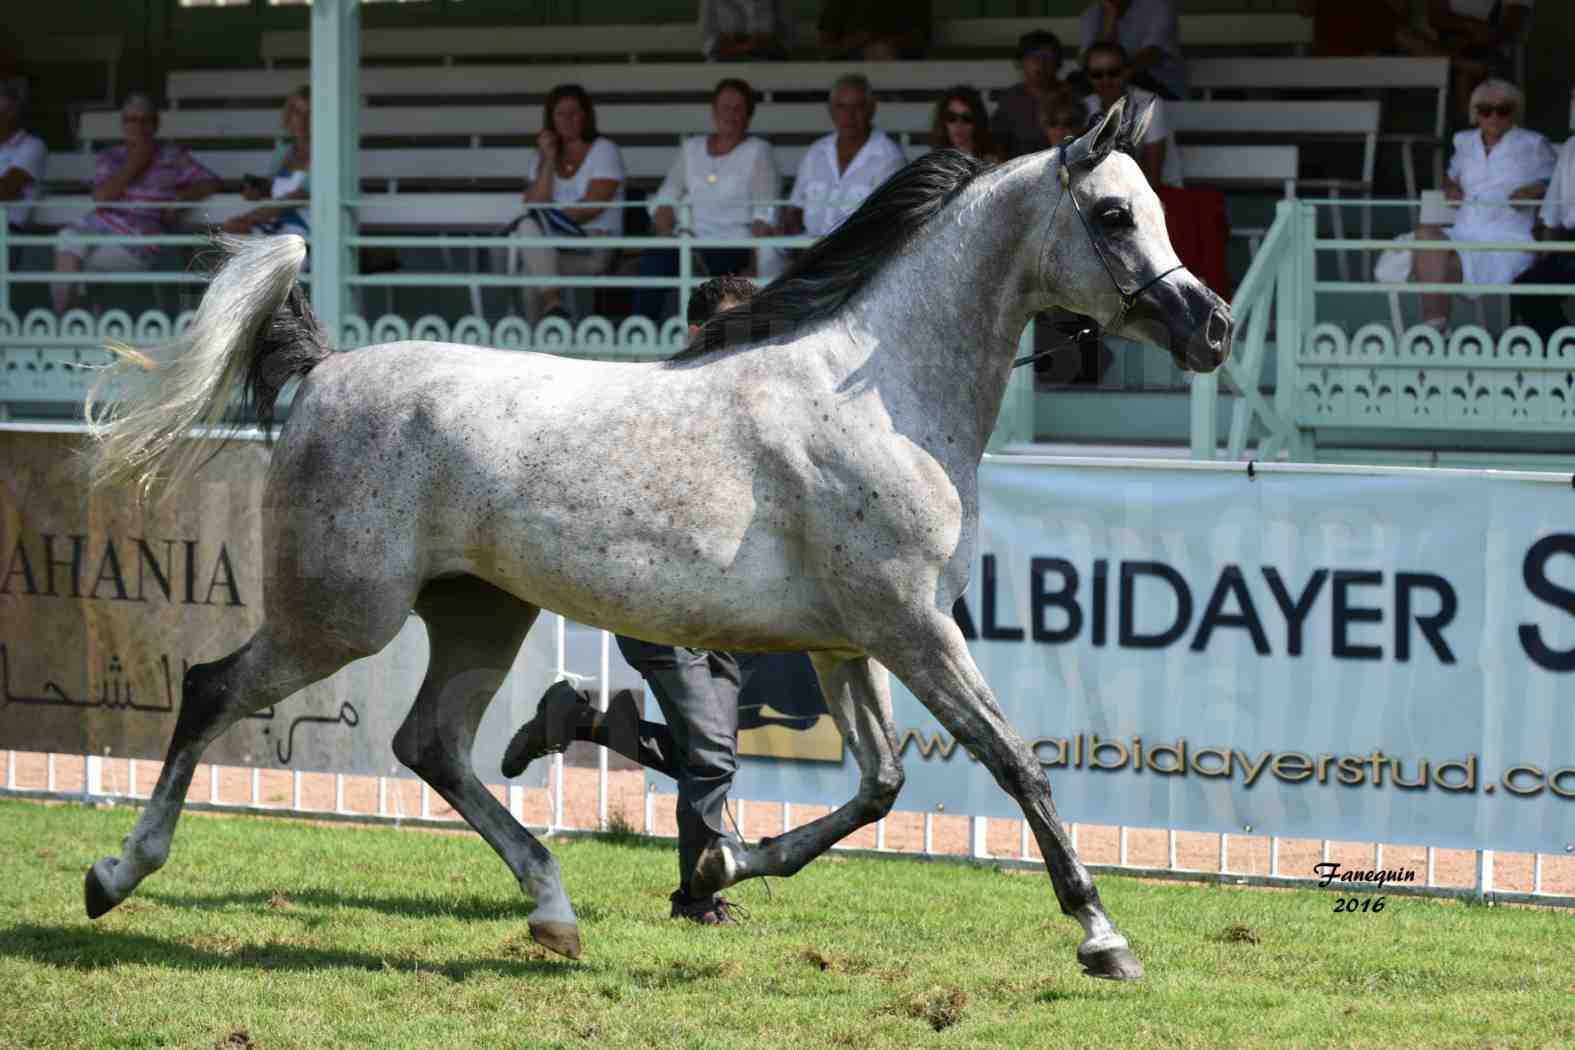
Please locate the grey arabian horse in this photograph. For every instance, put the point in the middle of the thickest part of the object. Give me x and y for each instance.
(803, 477)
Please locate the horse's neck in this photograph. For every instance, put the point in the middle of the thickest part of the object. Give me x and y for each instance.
(952, 308)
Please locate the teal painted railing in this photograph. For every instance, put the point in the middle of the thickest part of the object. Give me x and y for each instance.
(1337, 375)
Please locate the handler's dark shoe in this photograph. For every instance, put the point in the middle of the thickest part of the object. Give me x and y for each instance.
(707, 911)
(550, 730)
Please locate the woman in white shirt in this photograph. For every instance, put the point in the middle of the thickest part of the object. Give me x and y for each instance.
(1496, 162)
(726, 180)
(580, 170)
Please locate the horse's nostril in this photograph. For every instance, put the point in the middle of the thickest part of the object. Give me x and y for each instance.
(1218, 329)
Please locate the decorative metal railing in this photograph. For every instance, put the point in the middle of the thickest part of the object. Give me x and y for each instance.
(1334, 375)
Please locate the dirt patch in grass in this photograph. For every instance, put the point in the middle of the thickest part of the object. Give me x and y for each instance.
(938, 1007)
(831, 962)
(1237, 934)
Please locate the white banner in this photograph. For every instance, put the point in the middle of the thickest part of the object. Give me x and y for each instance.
(1373, 655)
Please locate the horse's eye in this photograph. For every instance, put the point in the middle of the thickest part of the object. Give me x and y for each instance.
(1116, 218)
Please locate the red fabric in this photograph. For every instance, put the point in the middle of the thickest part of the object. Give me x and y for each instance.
(1199, 233)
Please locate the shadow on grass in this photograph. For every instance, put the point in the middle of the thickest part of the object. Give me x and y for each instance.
(82, 948)
(470, 909)
(466, 909)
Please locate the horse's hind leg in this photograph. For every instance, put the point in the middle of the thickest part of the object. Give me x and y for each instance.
(476, 630)
(858, 694)
(935, 664)
(214, 696)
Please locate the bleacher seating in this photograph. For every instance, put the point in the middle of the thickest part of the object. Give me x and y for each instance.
(467, 144)
(954, 36)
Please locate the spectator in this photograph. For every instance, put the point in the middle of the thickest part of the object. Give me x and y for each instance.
(577, 167)
(874, 30)
(22, 155)
(141, 169)
(732, 30)
(1556, 222)
(1479, 37)
(959, 124)
(1493, 162)
(1063, 115)
(719, 175)
(1017, 125)
(844, 167)
(1151, 33)
(291, 178)
(1109, 70)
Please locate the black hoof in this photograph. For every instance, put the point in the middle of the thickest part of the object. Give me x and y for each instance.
(1111, 964)
(96, 895)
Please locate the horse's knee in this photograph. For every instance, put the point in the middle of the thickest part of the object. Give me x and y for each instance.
(425, 751)
(880, 791)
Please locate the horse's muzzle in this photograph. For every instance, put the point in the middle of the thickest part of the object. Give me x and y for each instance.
(1181, 315)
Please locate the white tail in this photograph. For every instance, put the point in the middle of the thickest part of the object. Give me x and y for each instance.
(141, 440)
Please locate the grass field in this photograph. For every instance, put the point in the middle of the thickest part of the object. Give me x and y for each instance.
(271, 934)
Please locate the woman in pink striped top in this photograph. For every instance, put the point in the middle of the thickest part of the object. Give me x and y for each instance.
(142, 169)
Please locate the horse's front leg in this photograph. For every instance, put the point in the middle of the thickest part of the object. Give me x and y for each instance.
(858, 693)
(936, 666)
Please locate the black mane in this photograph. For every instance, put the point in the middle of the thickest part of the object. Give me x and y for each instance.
(838, 266)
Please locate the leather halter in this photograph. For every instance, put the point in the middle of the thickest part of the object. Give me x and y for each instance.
(1128, 299)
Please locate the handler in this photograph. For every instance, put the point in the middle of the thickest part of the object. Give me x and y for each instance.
(698, 692)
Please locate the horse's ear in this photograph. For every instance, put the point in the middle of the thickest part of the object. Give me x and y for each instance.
(1136, 130)
(1095, 144)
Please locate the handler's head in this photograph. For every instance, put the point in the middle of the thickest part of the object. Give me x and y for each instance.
(716, 295)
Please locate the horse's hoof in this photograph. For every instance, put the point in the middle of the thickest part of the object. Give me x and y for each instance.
(95, 888)
(1111, 964)
(561, 937)
(715, 870)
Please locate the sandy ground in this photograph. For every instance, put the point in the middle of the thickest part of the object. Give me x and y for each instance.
(904, 831)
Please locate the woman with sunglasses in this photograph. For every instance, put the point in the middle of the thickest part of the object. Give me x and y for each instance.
(1495, 162)
(959, 124)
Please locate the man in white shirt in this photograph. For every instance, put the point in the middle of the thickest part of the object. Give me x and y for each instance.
(1555, 222)
(22, 156)
(1106, 66)
(842, 168)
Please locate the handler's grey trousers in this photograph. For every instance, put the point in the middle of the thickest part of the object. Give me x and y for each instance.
(697, 691)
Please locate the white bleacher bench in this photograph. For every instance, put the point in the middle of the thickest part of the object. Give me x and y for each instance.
(1236, 30)
(198, 87)
(1287, 31)
(1208, 75)
(410, 122)
(464, 212)
(1294, 121)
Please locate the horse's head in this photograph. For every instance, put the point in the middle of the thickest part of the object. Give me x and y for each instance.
(1108, 254)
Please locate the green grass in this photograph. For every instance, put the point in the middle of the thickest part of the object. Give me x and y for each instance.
(271, 934)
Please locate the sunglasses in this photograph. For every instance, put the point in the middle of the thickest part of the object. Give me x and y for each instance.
(1503, 109)
(1105, 73)
(954, 117)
